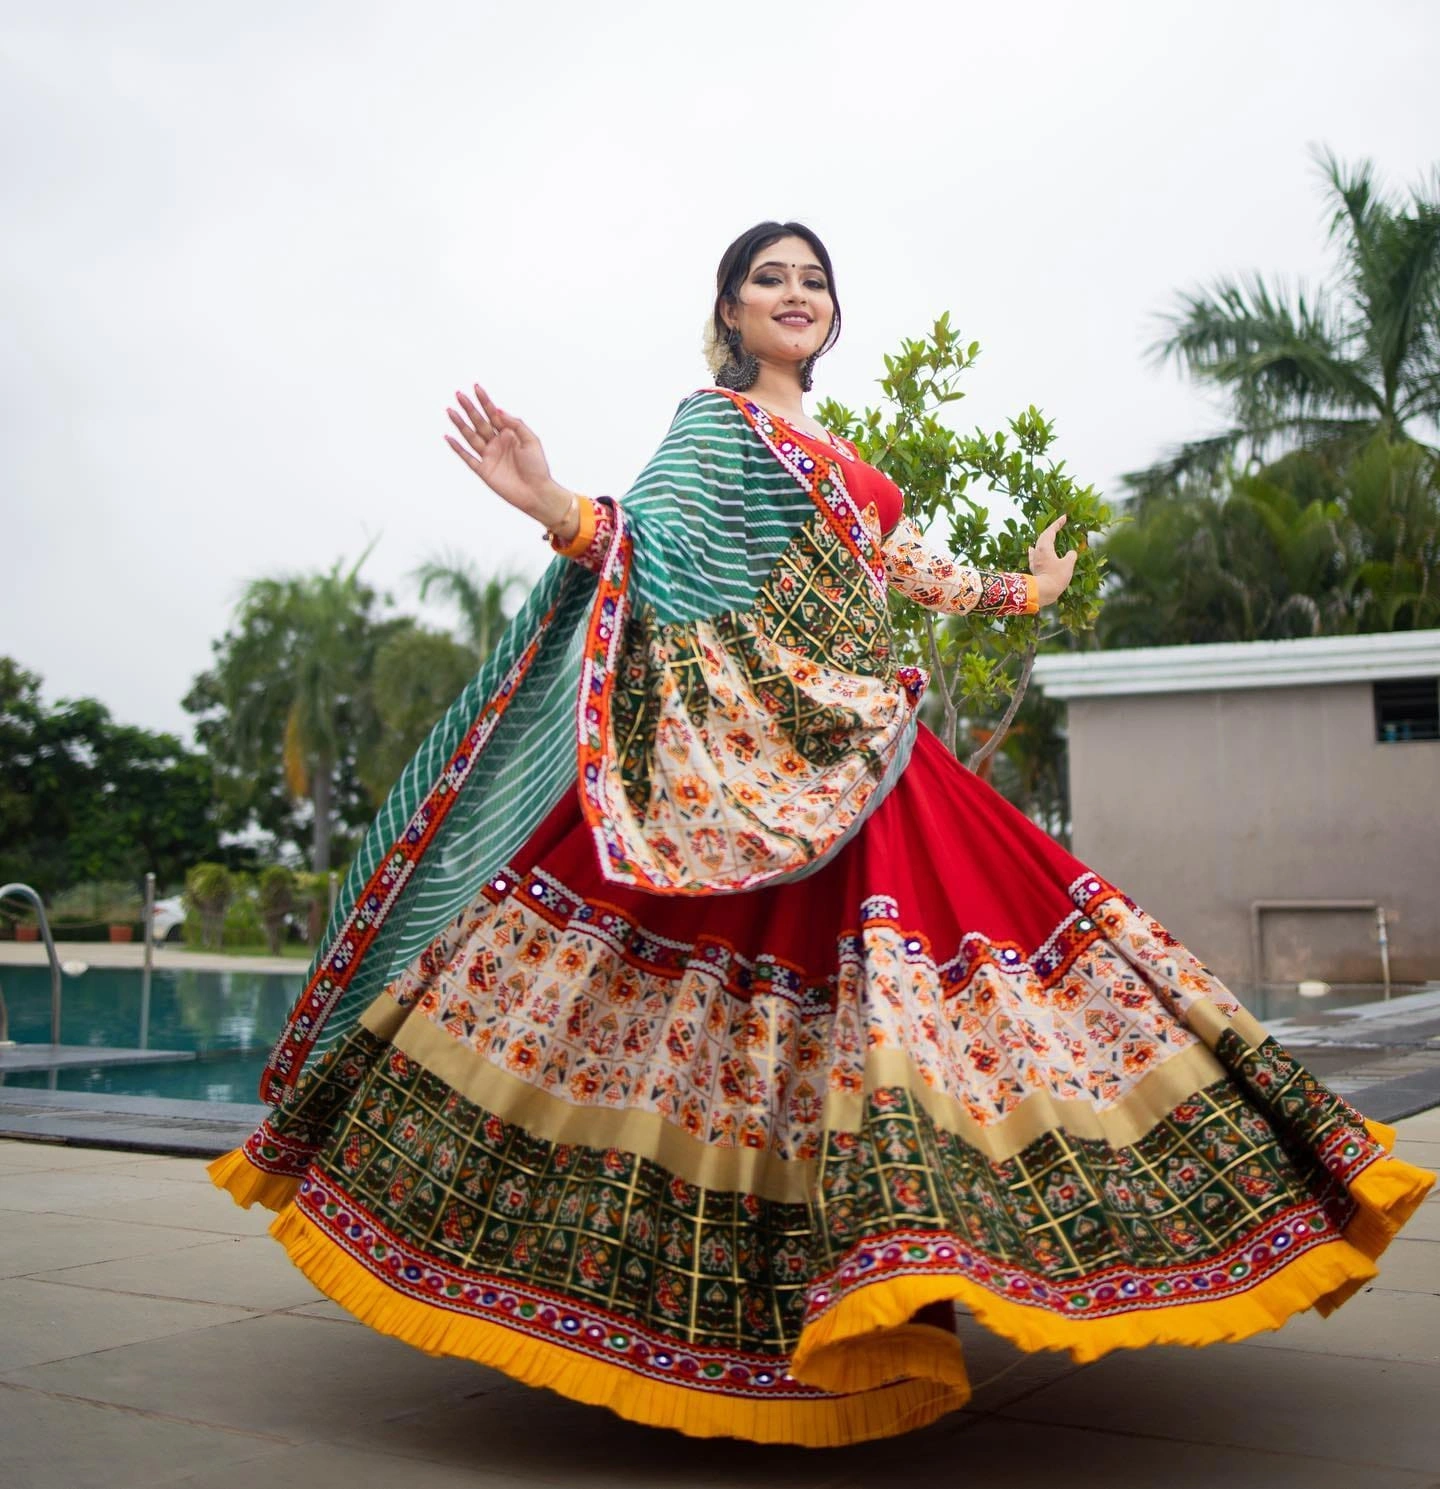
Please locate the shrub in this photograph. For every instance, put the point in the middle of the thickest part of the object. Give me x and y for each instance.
(277, 898)
(210, 887)
(313, 898)
(96, 902)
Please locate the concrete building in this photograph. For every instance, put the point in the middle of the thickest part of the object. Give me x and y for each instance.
(1263, 799)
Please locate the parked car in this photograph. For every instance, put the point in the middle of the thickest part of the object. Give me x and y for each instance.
(168, 921)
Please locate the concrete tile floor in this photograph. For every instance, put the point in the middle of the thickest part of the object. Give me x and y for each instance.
(150, 1335)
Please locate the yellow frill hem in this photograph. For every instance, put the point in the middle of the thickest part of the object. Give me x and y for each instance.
(830, 1423)
(831, 1354)
(886, 1374)
(248, 1185)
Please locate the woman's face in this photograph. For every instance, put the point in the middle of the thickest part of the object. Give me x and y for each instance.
(784, 308)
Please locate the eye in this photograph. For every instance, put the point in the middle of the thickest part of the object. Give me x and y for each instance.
(767, 279)
(817, 284)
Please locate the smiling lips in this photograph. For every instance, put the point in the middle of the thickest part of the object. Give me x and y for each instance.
(794, 318)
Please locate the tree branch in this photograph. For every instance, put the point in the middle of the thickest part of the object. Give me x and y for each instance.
(938, 673)
(993, 743)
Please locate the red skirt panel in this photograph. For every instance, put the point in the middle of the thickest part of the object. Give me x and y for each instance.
(949, 850)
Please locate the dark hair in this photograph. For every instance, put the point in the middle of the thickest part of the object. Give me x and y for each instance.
(735, 265)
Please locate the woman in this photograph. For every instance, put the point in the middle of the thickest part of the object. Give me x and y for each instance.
(695, 1031)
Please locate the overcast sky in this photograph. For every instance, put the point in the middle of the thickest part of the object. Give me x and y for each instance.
(248, 252)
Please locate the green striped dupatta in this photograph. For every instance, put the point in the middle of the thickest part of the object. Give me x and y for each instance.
(723, 688)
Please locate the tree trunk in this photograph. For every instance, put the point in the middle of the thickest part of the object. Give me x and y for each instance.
(992, 744)
(320, 849)
(212, 927)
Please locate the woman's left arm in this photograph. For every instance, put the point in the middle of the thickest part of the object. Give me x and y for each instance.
(940, 583)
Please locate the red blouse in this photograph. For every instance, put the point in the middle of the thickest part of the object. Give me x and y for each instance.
(866, 485)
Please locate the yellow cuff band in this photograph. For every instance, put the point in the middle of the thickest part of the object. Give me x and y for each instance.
(584, 534)
(1032, 595)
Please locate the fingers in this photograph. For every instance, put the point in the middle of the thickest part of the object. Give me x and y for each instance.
(486, 422)
(1045, 542)
(502, 420)
(1057, 569)
(480, 427)
(465, 455)
(497, 417)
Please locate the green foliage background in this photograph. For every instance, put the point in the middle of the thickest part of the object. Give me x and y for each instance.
(979, 668)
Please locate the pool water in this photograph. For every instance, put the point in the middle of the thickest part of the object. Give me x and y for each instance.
(229, 1019)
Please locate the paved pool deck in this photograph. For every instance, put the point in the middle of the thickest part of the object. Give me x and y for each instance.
(168, 957)
(153, 1335)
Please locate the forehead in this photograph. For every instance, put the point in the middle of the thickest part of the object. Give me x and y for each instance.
(791, 252)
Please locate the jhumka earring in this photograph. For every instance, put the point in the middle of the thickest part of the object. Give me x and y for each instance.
(807, 372)
(740, 369)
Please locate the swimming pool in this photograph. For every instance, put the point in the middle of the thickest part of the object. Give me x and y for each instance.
(228, 1019)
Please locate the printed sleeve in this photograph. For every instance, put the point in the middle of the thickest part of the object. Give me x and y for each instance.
(940, 583)
(592, 539)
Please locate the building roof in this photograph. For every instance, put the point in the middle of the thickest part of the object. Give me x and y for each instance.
(1240, 664)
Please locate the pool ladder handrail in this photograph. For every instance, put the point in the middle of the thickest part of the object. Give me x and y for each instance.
(24, 892)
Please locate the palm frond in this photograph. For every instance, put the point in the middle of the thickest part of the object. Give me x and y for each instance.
(1194, 464)
(1353, 194)
(1280, 355)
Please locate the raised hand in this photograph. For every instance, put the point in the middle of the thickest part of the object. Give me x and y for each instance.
(1052, 570)
(505, 453)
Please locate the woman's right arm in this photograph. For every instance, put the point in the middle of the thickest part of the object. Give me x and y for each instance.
(591, 542)
(505, 453)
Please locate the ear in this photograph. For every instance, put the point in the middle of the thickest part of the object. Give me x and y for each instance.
(727, 313)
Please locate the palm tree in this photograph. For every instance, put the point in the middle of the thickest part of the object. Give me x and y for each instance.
(294, 673)
(1392, 502)
(1250, 562)
(1329, 368)
(1304, 547)
(416, 676)
(484, 604)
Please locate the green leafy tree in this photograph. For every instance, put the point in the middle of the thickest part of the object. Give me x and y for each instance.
(1305, 547)
(1250, 563)
(32, 844)
(286, 711)
(417, 675)
(1391, 499)
(85, 798)
(1325, 368)
(979, 668)
(1030, 767)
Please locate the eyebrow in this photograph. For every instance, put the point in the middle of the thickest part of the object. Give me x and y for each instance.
(776, 264)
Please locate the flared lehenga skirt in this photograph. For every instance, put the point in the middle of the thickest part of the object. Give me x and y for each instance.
(704, 1160)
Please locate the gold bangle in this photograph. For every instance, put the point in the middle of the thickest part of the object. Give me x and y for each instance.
(565, 517)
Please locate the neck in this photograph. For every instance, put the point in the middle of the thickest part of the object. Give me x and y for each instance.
(778, 389)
